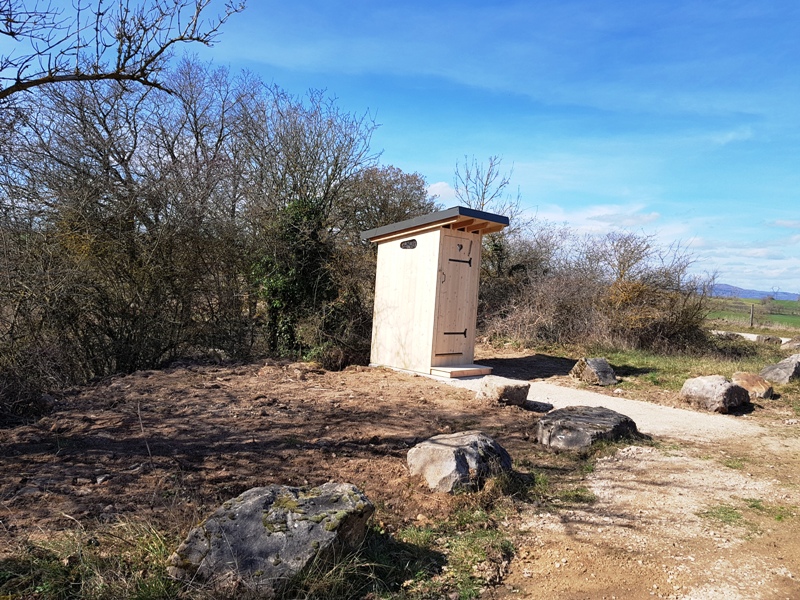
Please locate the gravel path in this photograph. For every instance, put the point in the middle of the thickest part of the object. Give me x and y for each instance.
(652, 419)
(748, 336)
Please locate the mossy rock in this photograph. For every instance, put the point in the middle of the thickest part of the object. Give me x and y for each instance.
(267, 535)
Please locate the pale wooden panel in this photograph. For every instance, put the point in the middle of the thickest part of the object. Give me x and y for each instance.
(405, 301)
(461, 371)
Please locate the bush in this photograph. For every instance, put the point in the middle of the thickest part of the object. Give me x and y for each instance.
(619, 289)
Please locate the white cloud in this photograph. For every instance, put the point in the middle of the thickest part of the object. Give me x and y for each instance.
(626, 219)
(600, 217)
(787, 224)
(753, 265)
(737, 135)
(445, 192)
(763, 253)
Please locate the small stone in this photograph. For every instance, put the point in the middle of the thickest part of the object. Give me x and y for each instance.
(756, 386)
(505, 391)
(457, 460)
(594, 371)
(783, 372)
(714, 393)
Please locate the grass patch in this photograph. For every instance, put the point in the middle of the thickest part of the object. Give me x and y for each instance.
(384, 567)
(577, 495)
(650, 372)
(769, 315)
(476, 559)
(475, 550)
(755, 504)
(791, 321)
(781, 513)
(723, 513)
(776, 512)
(127, 560)
(733, 462)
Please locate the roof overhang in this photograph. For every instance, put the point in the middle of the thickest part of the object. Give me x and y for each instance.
(459, 218)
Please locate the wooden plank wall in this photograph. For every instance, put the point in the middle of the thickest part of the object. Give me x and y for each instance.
(405, 302)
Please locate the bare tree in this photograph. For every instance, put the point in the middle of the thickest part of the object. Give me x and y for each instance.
(92, 41)
(485, 187)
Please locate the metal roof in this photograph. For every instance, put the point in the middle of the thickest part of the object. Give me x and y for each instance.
(457, 217)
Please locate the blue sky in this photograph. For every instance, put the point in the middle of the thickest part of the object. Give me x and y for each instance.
(679, 119)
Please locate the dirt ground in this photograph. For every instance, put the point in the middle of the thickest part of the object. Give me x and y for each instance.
(699, 519)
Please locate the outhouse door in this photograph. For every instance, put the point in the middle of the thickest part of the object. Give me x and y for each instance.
(459, 266)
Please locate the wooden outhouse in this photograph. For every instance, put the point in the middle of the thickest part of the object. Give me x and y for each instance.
(426, 291)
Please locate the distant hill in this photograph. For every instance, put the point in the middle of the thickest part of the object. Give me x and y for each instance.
(723, 290)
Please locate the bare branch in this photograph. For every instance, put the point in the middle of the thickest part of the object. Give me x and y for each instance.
(94, 42)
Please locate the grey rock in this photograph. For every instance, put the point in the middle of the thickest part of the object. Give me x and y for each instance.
(458, 460)
(578, 427)
(595, 371)
(756, 386)
(714, 393)
(783, 372)
(729, 335)
(254, 544)
(537, 406)
(507, 391)
(768, 339)
(792, 344)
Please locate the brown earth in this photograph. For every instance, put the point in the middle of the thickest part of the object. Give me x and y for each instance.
(700, 520)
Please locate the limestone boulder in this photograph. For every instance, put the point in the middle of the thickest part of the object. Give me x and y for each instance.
(729, 335)
(756, 386)
(714, 393)
(769, 339)
(792, 344)
(460, 460)
(594, 371)
(578, 427)
(506, 391)
(252, 545)
(783, 372)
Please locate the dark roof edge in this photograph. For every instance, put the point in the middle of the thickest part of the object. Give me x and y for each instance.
(432, 218)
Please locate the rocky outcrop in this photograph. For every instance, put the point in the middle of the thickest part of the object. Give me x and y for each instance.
(578, 427)
(258, 541)
(714, 393)
(594, 371)
(783, 372)
(458, 460)
(506, 391)
(756, 386)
